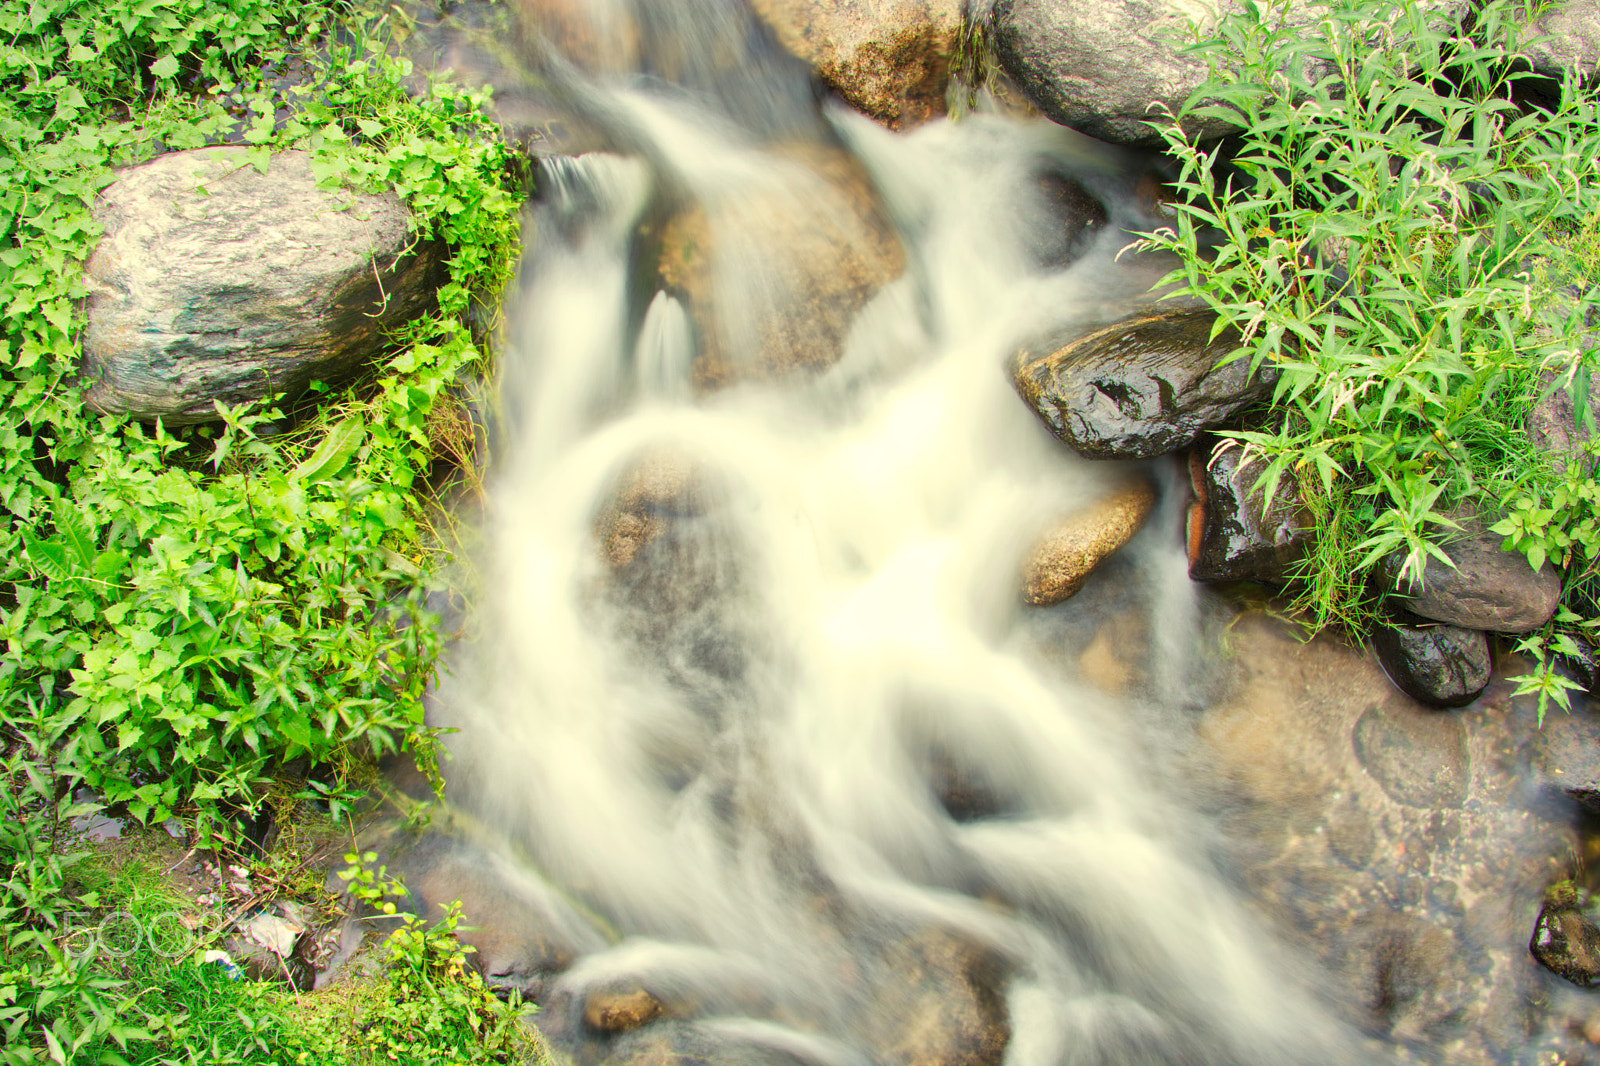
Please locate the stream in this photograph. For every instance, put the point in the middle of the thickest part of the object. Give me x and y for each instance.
(758, 755)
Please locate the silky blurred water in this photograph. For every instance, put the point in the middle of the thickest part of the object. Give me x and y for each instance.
(805, 728)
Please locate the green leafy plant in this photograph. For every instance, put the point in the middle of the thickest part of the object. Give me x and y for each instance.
(1392, 233)
(438, 1000)
(190, 615)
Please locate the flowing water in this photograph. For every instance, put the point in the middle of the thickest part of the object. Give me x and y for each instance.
(752, 714)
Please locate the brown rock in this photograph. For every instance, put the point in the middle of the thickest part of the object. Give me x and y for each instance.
(944, 1006)
(597, 36)
(1061, 560)
(657, 488)
(620, 1010)
(773, 276)
(889, 58)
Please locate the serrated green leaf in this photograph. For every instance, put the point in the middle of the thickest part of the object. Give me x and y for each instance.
(334, 451)
(165, 67)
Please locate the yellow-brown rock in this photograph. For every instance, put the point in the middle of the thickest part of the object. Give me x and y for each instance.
(944, 1005)
(620, 1010)
(1061, 560)
(774, 274)
(650, 493)
(889, 58)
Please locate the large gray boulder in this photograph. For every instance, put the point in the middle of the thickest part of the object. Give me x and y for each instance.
(1570, 35)
(216, 281)
(1108, 67)
(1099, 65)
(1488, 588)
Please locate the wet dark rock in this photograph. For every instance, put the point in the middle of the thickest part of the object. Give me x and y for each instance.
(1071, 217)
(1061, 561)
(1488, 588)
(620, 1010)
(1566, 940)
(1440, 665)
(1419, 759)
(889, 60)
(214, 281)
(809, 253)
(1235, 532)
(1140, 387)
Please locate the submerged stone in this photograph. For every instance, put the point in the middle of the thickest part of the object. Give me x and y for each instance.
(946, 998)
(1420, 759)
(1566, 940)
(1440, 665)
(620, 1010)
(1142, 386)
(774, 275)
(1235, 532)
(1063, 558)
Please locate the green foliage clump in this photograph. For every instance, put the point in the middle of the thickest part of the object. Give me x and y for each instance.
(1395, 233)
(186, 612)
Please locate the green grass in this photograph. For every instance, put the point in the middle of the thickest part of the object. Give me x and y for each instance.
(1392, 233)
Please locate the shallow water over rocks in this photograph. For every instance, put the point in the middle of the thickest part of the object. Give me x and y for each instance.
(760, 755)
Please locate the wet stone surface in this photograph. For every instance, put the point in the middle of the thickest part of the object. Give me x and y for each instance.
(1566, 940)
(1440, 665)
(1141, 387)
(1405, 850)
(1236, 533)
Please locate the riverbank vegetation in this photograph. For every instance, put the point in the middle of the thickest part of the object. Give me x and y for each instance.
(195, 618)
(1408, 227)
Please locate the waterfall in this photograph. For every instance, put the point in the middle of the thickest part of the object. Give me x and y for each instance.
(752, 705)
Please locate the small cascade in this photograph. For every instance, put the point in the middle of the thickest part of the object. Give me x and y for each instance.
(764, 753)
